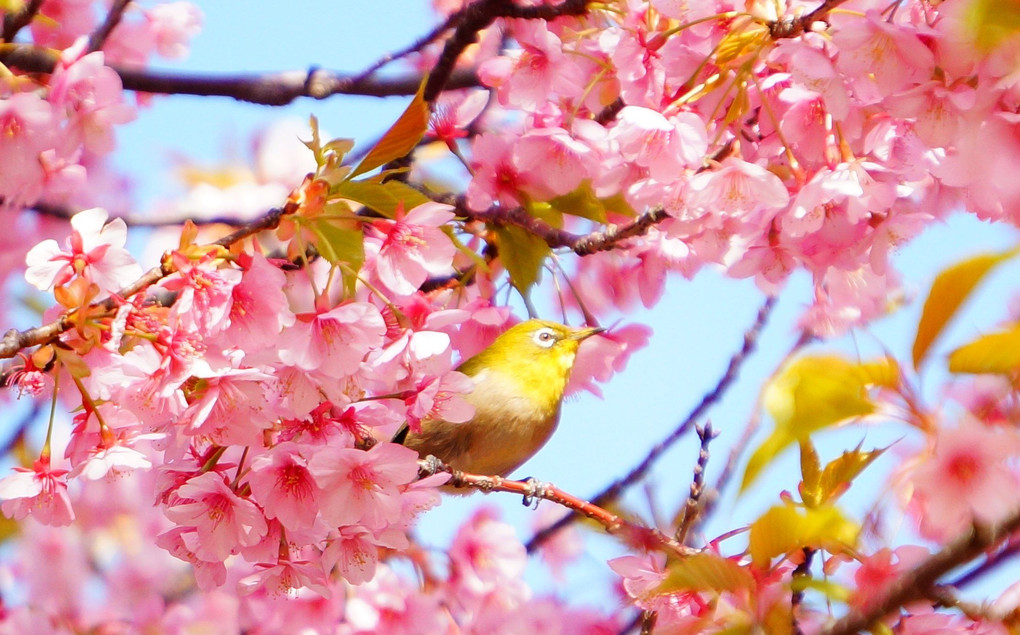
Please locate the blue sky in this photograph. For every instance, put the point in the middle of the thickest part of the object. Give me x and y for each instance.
(697, 326)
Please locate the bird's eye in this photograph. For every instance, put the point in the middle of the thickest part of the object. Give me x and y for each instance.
(545, 337)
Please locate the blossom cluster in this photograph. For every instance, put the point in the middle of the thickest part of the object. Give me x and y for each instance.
(250, 388)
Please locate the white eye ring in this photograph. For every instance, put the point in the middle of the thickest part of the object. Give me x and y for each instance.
(545, 337)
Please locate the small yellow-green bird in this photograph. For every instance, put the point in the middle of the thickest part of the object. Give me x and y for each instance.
(519, 383)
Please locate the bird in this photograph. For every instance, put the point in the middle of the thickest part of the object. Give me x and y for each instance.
(519, 381)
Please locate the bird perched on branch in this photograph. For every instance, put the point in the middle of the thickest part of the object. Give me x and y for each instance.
(519, 383)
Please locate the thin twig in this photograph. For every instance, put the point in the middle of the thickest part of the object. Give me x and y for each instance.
(614, 490)
(269, 89)
(113, 16)
(415, 47)
(918, 582)
(477, 17)
(794, 26)
(690, 514)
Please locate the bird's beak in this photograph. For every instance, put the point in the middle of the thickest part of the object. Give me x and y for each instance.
(583, 334)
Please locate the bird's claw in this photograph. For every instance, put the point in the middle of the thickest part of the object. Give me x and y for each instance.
(535, 492)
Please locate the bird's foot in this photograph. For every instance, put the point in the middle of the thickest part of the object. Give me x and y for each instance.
(535, 492)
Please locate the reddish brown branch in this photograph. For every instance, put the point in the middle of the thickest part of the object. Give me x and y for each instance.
(614, 490)
(530, 489)
(270, 89)
(919, 582)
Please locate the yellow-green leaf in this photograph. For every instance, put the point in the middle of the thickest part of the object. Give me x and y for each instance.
(401, 138)
(997, 353)
(991, 21)
(704, 572)
(522, 253)
(810, 473)
(813, 392)
(383, 198)
(581, 202)
(341, 242)
(948, 292)
(785, 528)
(837, 476)
(72, 362)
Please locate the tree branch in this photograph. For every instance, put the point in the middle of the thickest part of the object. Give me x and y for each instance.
(918, 583)
(269, 89)
(16, 22)
(477, 17)
(531, 490)
(611, 492)
(113, 16)
(14, 340)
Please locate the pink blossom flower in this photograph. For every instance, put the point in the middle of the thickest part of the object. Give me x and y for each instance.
(555, 163)
(604, 355)
(259, 310)
(283, 486)
(412, 247)
(878, 571)
(285, 577)
(452, 115)
(230, 405)
(967, 476)
(495, 177)
(665, 147)
(881, 58)
(28, 128)
(205, 293)
(94, 250)
(91, 95)
(737, 187)
(528, 77)
(182, 543)
(486, 555)
(362, 487)
(223, 521)
(173, 24)
(40, 491)
(333, 342)
(438, 398)
(355, 551)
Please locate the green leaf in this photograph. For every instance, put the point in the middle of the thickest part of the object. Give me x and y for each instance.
(581, 202)
(785, 528)
(341, 242)
(949, 290)
(996, 353)
(401, 138)
(383, 198)
(704, 572)
(522, 253)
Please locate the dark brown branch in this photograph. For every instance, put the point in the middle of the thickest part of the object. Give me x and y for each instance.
(614, 490)
(918, 583)
(477, 17)
(270, 89)
(113, 16)
(14, 340)
(16, 22)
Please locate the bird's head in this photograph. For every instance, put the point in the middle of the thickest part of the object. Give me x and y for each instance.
(537, 354)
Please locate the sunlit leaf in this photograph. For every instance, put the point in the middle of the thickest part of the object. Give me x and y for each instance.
(949, 290)
(997, 353)
(401, 138)
(785, 528)
(810, 474)
(991, 21)
(581, 202)
(341, 242)
(522, 253)
(704, 572)
(383, 198)
(813, 392)
(837, 476)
